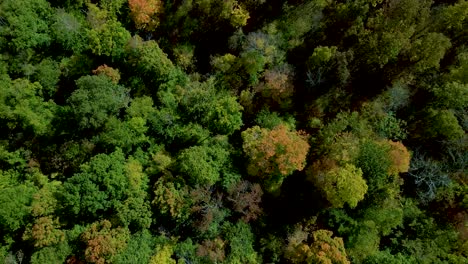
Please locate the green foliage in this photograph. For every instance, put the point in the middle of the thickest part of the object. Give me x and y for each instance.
(270, 120)
(47, 73)
(27, 24)
(240, 243)
(451, 95)
(99, 187)
(202, 164)
(22, 107)
(218, 111)
(17, 207)
(68, 29)
(148, 58)
(139, 249)
(374, 161)
(427, 51)
(95, 100)
(440, 125)
(106, 35)
(54, 254)
(171, 199)
(150, 131)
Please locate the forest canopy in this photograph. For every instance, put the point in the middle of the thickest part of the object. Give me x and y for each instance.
(233, 131)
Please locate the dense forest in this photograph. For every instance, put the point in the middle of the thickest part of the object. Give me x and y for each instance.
(233, 131)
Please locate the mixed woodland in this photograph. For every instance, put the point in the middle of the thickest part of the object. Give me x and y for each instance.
(233, 131)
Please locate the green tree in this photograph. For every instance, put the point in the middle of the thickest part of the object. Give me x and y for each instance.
(438, 124)
(22, 107)
(240, 241)
(106, 35)
(202, 164)
(148, 58)
(95, 100)
(342, 185)
(139, 248)
(172, 199)
(69, 30)
(100, 186)
(28, 24)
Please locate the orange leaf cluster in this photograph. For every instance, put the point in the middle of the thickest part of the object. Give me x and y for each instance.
(279, 151)
(142, 12)
(110, 72)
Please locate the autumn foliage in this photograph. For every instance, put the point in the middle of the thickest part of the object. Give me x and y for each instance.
(103, 242)
(399, 157)
(277, 151)
(110, 72)
(143, 12)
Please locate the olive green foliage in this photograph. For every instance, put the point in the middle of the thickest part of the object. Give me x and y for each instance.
(95, 100)
(233, 131)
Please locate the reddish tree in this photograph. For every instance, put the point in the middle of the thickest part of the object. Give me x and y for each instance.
(104, 242)
(212, 249)
(246, 198)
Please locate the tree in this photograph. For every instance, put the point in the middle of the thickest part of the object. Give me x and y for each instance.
(342, 185)
(427, 51)
(212, 249)
(28, 24)
(171, 199)
(375, 164)
(45, 232)
(399, 157)
(139, 248)
(106, 35)
(202, 164)
(239, 241)
(110, 72)
(246, 198)
(307, 246)
(69, 30)
(103, 242)
(100, 186)
(278, 85)
(438, 124)
(17, 207)
(47, 73)
(95, 100)
(148, 58)
(143, 13)
(274, 154)
(219, 111)
(23, 107)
